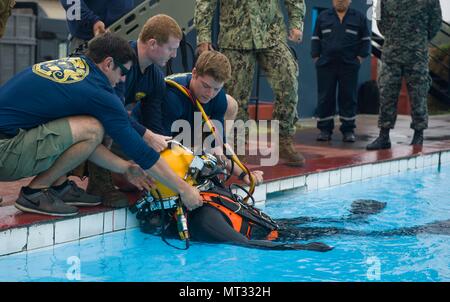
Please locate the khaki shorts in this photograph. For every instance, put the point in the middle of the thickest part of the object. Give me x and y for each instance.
(34, 151)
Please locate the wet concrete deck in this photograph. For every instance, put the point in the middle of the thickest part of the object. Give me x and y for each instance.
(319, 155)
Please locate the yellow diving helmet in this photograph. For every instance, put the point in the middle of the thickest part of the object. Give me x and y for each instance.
(179, 158)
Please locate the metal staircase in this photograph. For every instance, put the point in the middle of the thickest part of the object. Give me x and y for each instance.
(129, 26)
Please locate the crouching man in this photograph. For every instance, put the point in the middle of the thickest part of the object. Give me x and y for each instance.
(53, 117)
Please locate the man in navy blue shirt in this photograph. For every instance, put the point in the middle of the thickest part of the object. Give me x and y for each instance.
(158, 42)
(340, 42)
(205, 83)
(94, 17)
(53, 117)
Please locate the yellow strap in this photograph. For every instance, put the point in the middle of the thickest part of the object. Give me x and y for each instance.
(234, 157)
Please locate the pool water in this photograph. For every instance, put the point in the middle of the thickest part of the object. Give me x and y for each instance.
(413, 198)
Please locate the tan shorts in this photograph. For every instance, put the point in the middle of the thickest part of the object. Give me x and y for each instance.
(34, 151)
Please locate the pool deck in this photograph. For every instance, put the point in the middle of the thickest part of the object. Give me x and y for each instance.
(322, 157)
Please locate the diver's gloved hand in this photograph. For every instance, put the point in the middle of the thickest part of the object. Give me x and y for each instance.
(190, 196)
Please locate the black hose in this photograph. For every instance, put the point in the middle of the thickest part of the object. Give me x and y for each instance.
(242, 188)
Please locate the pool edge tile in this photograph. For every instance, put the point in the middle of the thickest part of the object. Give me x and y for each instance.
(312, 182)
(40, 235)
(335, 178)
(356, 173)
(273, 186)
(13, 241)
(287, 184)
(91, 225)
(67, 230)
(346, 175)
(132, 221)
(299, 181)
(120, 217)
(108, 221)
(323, 180)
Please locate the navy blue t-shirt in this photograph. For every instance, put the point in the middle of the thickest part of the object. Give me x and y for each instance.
(178, 106)
(69, 87)
(147, 87)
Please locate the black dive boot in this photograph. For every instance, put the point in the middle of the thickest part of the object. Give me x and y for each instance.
(382, 141)
(418, 138)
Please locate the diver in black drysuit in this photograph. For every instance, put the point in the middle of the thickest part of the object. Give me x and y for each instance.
(208, 224)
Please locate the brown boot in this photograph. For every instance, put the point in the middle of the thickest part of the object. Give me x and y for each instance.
(289, 154)
(101, 184)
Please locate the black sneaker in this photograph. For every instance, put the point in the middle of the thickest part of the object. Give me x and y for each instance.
(44, 202)
(73, 195)
(349, 137)
(324, 136)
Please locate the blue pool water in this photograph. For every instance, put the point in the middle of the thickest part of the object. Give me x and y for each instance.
(413, 198)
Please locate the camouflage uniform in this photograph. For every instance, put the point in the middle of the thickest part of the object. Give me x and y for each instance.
(407, 26)
(5, 12)
(254, 31)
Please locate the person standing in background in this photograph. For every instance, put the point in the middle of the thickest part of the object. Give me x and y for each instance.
(340, 42)
(95, 17)
(407, 26)
(254, 32)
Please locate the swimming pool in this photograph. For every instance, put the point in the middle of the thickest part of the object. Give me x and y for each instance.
(413, 198)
